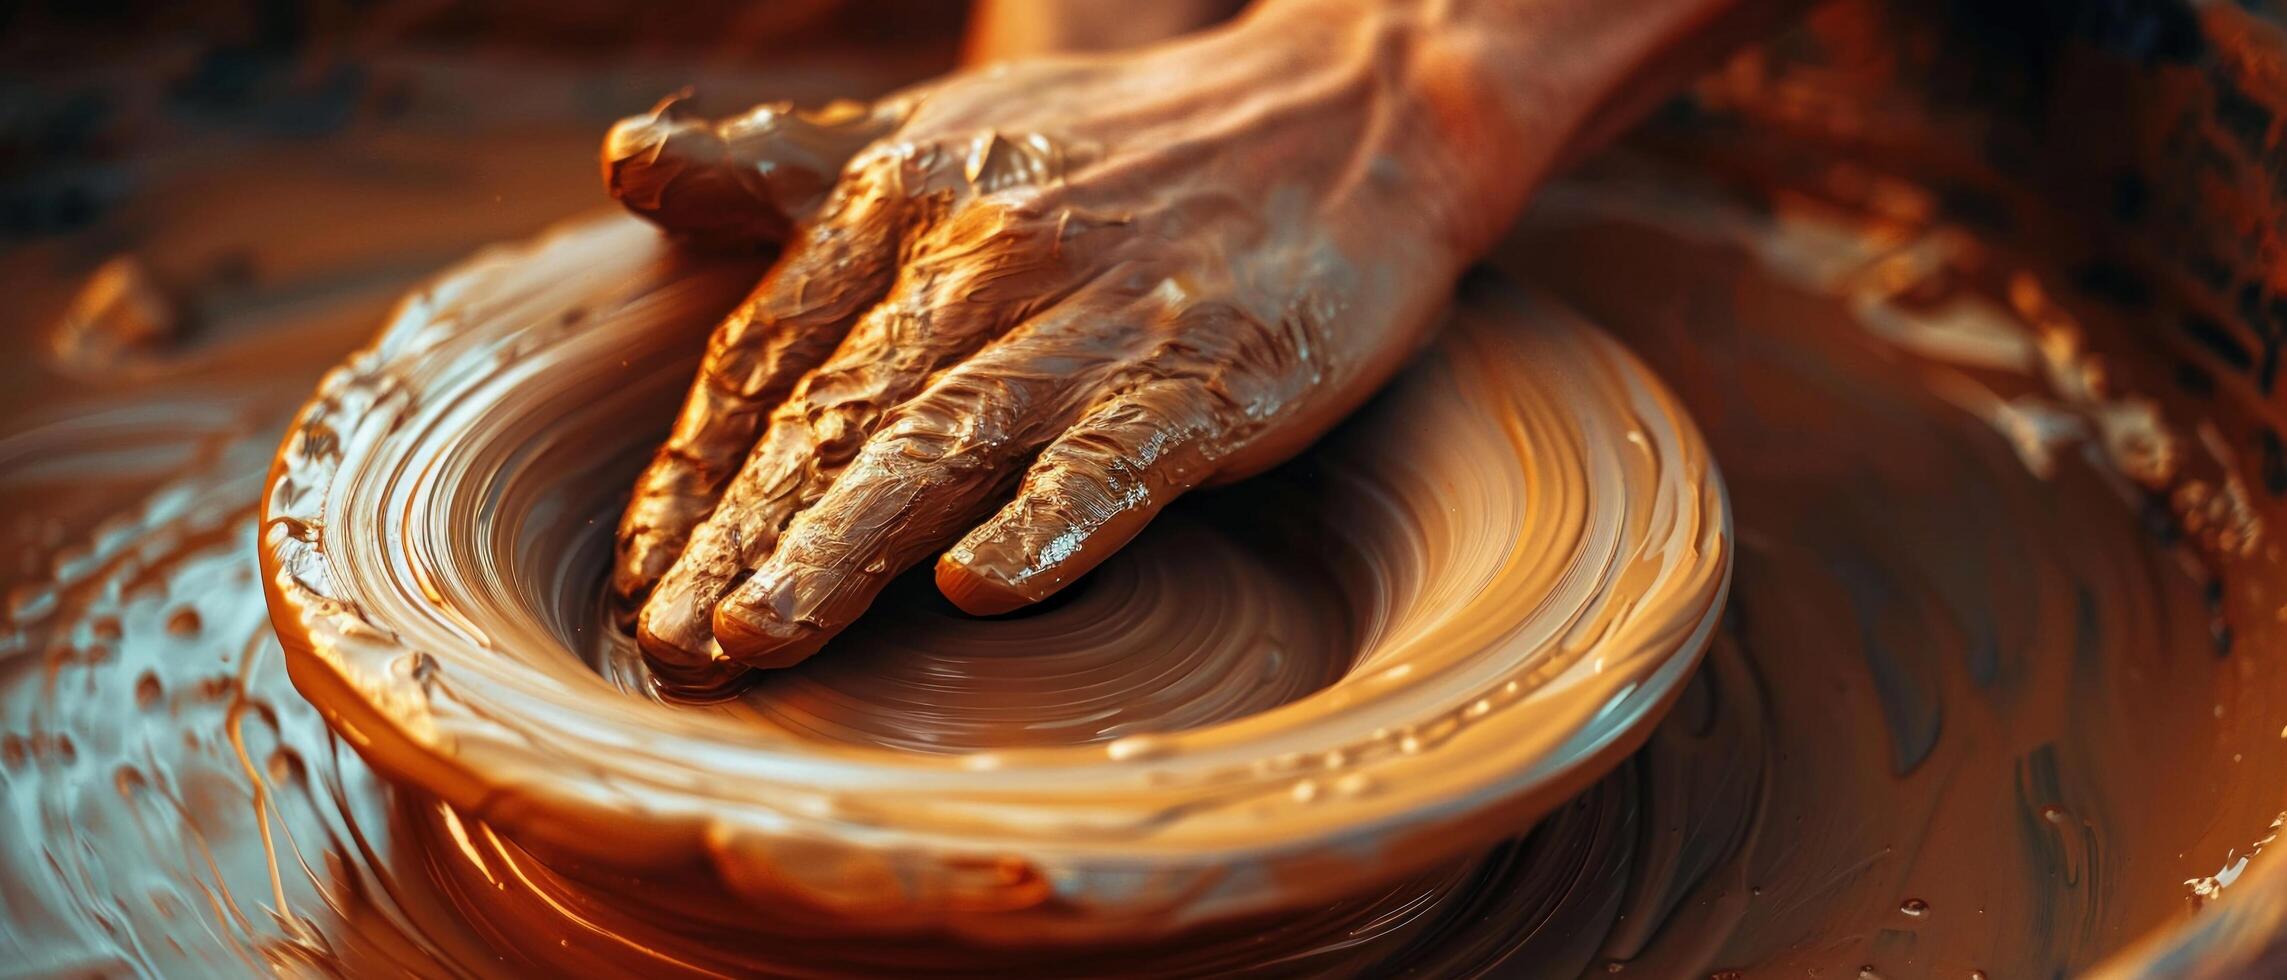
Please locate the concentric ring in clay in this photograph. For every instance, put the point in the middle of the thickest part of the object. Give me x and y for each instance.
(1533, 540)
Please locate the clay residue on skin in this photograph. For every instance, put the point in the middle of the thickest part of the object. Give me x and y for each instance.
(1044, 303)
(1262, 626)
(743, 180)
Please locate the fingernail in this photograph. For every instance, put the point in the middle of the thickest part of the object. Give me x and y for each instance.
(765, 634)
(674, 170)
(671, 638)
(976, 581)
(635, 148)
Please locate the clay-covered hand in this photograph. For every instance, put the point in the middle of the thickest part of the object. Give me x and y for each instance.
(1021, 309)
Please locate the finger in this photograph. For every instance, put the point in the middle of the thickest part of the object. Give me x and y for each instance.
(1089, 493)
(746, 179)
(950, 302)
(938, 464)
(1194, 410)
(802, 310)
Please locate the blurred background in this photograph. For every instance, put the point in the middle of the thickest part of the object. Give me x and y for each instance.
(181, 180)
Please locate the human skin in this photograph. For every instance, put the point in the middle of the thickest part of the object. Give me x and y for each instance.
(1003, 30)
(1022, 308)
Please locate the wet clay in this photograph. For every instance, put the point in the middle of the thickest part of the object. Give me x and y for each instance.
(183, 810)
(1042, 300)
(1263, 626)
(1987, 695)
(1458, 613)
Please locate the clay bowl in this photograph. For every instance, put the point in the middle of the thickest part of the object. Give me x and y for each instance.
(1525, 594)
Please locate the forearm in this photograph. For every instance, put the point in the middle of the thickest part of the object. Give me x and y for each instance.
(1512, 89)
(1000, 30)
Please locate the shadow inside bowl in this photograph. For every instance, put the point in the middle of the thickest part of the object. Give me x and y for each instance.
(1448, 617)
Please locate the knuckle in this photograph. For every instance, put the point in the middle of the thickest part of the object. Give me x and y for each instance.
(876, 166)
(1089, 467)
(735, 371)
(1025, 202)
(1247, 364)
(960, 423)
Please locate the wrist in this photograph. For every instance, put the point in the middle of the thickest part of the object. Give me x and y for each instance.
(1509, 90)
(1462, 110)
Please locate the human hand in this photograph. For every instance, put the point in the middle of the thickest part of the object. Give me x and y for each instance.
(1021, 309)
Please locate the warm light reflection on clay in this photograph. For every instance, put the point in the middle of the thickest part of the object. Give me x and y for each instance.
(1953, 676)
(1526, 533)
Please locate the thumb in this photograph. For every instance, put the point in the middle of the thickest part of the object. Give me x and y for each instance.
(742, 180)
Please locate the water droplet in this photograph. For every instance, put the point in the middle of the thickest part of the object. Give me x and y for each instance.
(107, 629)
(285, 767)
(148, 690)
(1305, 790)
(1867, 973)
(1914, 907)
(2055, 814)
(184, 622)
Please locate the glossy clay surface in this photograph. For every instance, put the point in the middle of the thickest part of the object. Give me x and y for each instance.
(1958, 666)
(1527, 536)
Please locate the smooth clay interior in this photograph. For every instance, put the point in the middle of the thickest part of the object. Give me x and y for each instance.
(1358, 563)
(1434, 627)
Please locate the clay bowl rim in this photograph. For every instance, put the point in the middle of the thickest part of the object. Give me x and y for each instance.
(975, 870)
